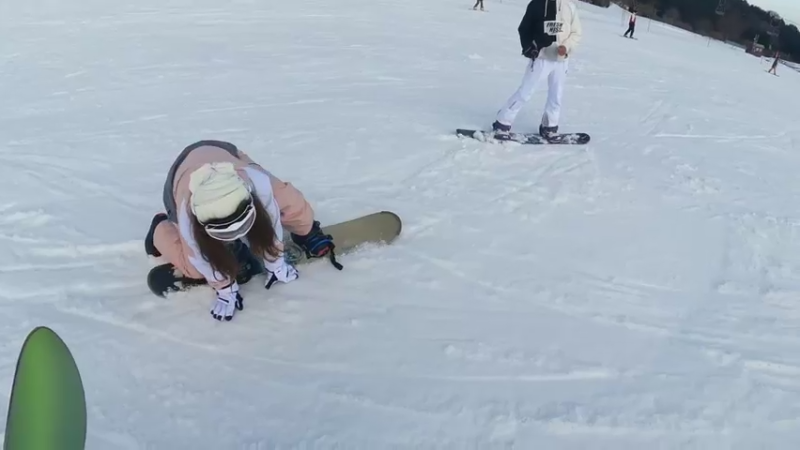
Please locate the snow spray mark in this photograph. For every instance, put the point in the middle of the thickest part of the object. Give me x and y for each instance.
(47, 409)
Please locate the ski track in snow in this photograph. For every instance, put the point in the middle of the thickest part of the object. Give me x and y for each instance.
(637, 292)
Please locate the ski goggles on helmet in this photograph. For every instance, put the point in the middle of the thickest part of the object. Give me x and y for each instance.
(235, 226)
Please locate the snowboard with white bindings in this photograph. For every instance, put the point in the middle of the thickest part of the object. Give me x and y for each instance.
(377, 228)
(525, 138)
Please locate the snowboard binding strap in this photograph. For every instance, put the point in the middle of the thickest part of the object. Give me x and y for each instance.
(335, 263)
(330, 253)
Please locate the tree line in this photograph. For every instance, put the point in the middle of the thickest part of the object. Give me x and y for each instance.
(731, 20)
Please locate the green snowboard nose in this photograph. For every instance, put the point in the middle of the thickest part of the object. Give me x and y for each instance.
(47, 410)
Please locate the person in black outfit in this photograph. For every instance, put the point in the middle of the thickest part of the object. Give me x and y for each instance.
(774, 69)
(631, 22)
(479, 2)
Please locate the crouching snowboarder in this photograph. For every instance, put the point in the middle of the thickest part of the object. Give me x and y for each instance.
(216, 198)
(549, 32)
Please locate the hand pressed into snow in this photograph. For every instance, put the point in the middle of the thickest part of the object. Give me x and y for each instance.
(279, 270)
(228, 301)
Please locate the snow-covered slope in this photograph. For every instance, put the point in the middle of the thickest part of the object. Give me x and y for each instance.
(637, 292)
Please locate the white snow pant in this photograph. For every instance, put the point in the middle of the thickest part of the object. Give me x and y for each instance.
(538, 70)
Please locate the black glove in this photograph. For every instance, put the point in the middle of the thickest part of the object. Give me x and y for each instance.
(531, 51)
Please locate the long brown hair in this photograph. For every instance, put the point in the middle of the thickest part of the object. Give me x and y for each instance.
(261, 238)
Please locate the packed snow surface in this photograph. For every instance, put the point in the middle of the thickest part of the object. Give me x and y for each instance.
(638, 292)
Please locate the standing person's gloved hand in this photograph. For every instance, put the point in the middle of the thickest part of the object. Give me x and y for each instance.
(228, 301)
(531, 51)
(279, 270)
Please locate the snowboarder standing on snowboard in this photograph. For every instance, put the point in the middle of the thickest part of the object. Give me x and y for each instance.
(549, 32)
(631, 22)
(216, 197)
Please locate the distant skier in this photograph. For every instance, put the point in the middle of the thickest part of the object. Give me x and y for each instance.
(774, 69)
(549, 32)
(479, 2)
(631, 22)
(216, 198)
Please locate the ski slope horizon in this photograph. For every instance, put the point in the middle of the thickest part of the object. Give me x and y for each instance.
(640, 291)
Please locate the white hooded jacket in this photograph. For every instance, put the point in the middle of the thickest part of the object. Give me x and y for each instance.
(550, 24)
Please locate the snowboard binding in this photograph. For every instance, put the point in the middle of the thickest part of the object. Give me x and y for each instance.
(317, 244)
(249, 265)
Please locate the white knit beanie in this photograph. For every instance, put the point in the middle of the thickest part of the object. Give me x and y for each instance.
(217, 191)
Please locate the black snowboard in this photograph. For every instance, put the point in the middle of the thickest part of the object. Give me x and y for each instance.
(380, 227)
(526, 138)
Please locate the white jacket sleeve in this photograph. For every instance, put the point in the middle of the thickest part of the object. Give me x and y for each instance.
(575, 30)
(262, 187)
